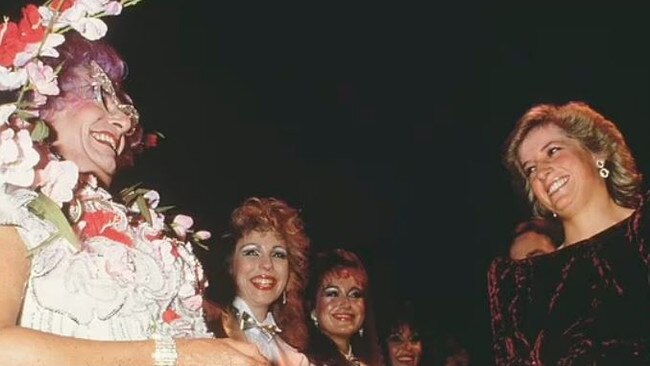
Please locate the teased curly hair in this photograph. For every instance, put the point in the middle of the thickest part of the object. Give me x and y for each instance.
(75, 55)
(322, 350)
(276, 216)
(594, 132)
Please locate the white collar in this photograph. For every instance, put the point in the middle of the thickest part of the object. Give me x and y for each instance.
(241, 306)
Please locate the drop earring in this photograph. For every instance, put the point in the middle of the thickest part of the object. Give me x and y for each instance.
(361, 332)
(313, 317)
(284, 297)
(604, 172)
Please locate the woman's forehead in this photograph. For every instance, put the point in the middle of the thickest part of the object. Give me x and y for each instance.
(340, 275)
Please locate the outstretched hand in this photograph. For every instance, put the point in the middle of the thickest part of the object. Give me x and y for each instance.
(218, 352)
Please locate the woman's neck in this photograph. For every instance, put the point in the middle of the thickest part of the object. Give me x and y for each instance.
(343, 344)
(259, 312)
(593, 220)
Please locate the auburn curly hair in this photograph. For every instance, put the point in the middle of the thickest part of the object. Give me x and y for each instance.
(270, 215)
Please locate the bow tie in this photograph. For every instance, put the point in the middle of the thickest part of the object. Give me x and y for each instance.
(246, 321)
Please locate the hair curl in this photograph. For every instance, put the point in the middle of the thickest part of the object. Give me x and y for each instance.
(594, 132)
(276, 216)
(322, 350)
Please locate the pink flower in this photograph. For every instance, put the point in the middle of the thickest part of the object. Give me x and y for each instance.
(202, 235)
(181, 224)
(113, 8)
(58, 179)
(193, 303)
(42, 77)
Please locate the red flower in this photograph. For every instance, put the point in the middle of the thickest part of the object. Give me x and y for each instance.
(169, 315)
(61, 5)
(99, 223)
(10, 43)
(151, 140)
(31, 25)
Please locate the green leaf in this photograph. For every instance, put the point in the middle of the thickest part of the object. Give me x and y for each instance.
(162, 209)
(40, 131)
(43, 207)
(144, 209)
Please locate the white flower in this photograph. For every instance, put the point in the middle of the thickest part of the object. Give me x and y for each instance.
(91, 28)
(5, 111)
(17, 158)
(181, 224)
(58, 179)
(11, 80)
(31, 49)
(66, 18)
(113, 8)
(202, 235)
(93, 7)
(42, 77)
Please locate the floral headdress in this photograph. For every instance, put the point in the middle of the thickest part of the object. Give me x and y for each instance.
(24, 75)
(37, 34)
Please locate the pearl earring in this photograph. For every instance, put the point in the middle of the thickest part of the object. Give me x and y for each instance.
(604, 172)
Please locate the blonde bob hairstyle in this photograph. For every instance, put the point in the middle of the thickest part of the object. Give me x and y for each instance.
(594, 132)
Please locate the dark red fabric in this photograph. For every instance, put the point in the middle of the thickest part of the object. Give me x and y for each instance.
(587, 304)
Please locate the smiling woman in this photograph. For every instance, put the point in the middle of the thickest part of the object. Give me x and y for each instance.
(343, 329)
(578, 305)
(265, 258)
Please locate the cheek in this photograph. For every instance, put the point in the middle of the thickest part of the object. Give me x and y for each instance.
(322, 306)
(240, 268)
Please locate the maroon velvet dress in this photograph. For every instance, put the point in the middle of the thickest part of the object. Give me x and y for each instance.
(587, 304)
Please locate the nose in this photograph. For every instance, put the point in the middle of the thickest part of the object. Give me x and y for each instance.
(121, 121)
(543, 170)
(266, 262)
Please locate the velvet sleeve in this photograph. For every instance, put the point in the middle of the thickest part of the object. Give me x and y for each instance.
(508, 295)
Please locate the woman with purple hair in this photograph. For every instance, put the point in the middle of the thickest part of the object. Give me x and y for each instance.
(88, 278)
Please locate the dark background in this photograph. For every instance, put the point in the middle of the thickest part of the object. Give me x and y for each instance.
(383, 123)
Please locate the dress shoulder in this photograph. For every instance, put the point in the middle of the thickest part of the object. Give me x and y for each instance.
(14, 211)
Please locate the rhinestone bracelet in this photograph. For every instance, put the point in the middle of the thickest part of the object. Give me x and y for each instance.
(165, 353)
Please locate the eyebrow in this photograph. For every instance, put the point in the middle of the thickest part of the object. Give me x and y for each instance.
(546, 145)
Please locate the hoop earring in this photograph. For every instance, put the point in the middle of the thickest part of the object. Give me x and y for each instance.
(284, 297)
(604, 172)
(361, 332)
(313, 317)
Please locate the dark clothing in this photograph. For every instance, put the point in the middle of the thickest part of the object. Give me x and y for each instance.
(587, 304)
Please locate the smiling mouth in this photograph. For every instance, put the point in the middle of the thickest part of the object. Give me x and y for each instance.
(406, 358)
(557, 184)
(109, 140)
(263, 282)
(343, 317)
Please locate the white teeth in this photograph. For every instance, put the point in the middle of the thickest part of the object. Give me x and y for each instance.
(263, 282)
(557, 184)
(105, 138)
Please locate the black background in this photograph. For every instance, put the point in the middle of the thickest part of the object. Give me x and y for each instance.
(383, 123)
